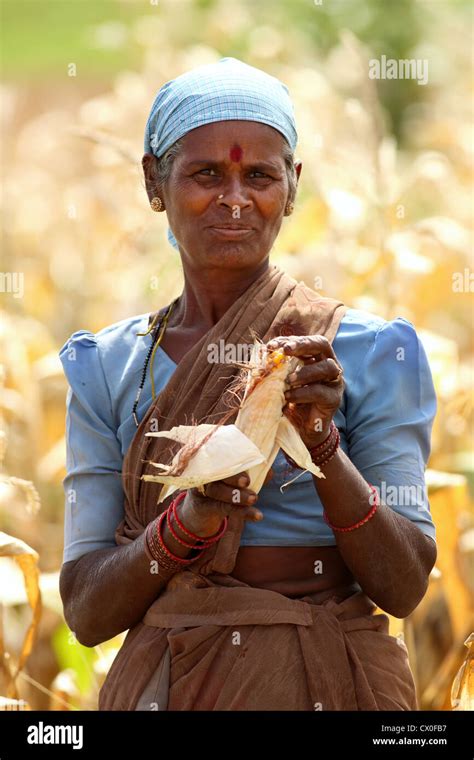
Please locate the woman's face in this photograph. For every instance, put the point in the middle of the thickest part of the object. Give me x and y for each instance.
(241, 161)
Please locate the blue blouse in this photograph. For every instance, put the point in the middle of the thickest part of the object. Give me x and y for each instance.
(384, 420)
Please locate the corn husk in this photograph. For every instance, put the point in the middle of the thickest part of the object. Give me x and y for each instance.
(252, 443)
(226, 444)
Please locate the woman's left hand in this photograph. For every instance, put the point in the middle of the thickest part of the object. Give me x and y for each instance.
(316, 389)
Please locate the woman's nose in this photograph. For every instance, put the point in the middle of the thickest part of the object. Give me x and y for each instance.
(234, 194)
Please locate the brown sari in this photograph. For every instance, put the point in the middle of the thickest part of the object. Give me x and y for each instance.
(210, 641)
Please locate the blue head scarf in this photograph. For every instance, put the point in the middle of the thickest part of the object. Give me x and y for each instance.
(222, 91)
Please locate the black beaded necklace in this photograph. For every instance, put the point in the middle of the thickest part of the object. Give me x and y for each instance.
(157, 330)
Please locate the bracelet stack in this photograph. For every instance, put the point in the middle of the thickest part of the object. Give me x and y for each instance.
(323, 453)
(157, 549)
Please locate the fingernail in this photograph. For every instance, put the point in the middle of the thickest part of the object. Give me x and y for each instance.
(252, 499)
(292, 377)
(243, 481)
(258, 516)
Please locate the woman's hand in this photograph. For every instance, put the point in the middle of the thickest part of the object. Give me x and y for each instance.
(316, 389)
(204, 514)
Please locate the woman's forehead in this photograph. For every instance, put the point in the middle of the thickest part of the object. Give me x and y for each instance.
(234, 139)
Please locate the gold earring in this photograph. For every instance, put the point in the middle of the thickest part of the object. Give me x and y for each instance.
(289, 208)
(156, 203)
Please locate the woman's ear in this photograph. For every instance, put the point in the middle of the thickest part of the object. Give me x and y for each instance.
(298, 167)
(294, 185)
(149, 172)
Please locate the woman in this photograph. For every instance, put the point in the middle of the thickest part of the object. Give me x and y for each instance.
(273, 607)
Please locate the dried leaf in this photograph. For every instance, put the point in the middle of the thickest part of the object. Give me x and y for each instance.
(27, 559)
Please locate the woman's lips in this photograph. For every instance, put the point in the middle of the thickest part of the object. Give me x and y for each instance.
(232, 233)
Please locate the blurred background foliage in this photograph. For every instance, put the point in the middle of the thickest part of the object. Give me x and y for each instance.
(383, 221)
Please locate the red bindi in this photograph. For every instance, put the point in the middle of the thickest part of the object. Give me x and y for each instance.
(236, 153)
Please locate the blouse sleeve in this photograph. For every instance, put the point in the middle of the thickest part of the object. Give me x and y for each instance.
(93, 487)
(390, 411)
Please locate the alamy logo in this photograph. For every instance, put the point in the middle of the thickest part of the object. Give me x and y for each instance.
(41, 734)
(406, 68)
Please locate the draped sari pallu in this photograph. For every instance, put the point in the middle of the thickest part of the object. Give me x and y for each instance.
(210, 641)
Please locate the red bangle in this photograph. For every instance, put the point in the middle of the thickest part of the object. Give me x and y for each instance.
(169, 512)
(175, 535)
(325, 456)
(159, 533)
(204, 541)
(201, 543)
(321, 446)
(158, 550)
(368, 516)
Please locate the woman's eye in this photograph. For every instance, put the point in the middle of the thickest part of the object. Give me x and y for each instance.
(209, 172)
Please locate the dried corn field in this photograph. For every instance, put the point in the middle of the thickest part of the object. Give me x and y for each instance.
(383, 221)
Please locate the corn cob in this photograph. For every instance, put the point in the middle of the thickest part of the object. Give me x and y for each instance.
(251, 444)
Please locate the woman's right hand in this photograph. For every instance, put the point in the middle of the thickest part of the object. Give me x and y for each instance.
(203, 515)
